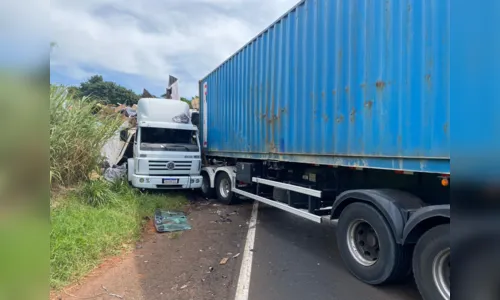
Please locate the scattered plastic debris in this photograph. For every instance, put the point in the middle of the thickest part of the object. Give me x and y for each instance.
(224, 261)
(169, 221)
(236, 255)
(115, 173)
(94, 175)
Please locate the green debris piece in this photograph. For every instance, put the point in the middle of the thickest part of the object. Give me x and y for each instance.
(169, 221)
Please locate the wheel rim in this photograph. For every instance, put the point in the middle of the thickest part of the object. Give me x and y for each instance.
(362, 241)
(441, 273)
(224, 187)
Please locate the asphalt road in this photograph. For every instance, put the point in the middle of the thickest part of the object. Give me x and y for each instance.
(294, 258)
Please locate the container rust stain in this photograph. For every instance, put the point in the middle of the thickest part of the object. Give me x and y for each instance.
(445, 128)
(380, 85)
(340, 119)
(369, 104)
(428, 80)
(352, 115)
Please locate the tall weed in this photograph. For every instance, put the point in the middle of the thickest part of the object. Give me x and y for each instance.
(97, 193)
(77, 135)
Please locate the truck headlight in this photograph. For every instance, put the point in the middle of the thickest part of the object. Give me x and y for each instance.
(142, 166)
(181, 119)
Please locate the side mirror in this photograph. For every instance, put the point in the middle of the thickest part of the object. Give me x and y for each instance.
(124, 135)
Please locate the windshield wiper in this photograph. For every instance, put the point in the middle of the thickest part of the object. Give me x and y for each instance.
(177, 146)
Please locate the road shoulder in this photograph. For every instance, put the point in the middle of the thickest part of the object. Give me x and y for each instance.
(184, 265)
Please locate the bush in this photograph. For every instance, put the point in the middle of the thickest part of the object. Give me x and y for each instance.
(77, 136)
(96, 193)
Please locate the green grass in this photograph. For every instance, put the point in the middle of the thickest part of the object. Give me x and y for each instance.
(83, 232)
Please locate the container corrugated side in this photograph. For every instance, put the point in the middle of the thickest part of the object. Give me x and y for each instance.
(348, 83)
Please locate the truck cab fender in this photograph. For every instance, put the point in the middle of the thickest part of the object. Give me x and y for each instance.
(424, 219)
(394, 205)
(212, 172)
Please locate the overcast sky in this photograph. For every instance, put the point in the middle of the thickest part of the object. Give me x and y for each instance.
(139, 43)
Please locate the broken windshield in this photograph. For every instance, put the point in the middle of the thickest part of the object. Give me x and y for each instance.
(167, 139)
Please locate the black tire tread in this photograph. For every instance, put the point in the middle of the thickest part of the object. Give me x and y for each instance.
(431, 238)
(402, 266)
(211, 191)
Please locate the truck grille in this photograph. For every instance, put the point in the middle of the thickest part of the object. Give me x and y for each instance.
(170, 165)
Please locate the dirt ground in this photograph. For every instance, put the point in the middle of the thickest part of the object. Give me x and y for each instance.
(184, 265)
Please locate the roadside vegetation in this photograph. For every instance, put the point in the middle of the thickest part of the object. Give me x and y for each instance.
(90, 217)
(77, 134)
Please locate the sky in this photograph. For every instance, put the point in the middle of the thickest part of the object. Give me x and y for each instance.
(138, 44)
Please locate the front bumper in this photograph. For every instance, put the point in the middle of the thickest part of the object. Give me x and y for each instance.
(166, 182)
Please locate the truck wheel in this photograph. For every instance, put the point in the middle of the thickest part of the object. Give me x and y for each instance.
(206, 190)
(431, 263)
(223, 188)
(367, 246)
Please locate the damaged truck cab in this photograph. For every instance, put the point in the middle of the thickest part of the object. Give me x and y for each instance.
(166, 148)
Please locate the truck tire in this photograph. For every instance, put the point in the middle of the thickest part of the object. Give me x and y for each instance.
(367, 246)
(206, 190)
(223, 188)
(431, 263)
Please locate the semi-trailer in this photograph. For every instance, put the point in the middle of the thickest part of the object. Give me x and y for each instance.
(340, 111)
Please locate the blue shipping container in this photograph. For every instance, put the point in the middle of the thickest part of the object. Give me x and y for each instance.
(338, 82)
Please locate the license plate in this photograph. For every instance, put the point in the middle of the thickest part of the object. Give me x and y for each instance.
(170, 181)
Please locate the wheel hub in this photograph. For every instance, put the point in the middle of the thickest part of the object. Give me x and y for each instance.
(224, 188)
(362, 241)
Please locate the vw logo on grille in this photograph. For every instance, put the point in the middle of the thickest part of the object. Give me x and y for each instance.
(170, 165)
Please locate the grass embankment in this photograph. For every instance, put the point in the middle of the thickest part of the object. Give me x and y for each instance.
(96, 219)
(83, 234)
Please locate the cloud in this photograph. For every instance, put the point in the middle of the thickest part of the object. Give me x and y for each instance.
(152, 39)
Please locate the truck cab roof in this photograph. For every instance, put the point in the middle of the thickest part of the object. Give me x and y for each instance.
(164, 113)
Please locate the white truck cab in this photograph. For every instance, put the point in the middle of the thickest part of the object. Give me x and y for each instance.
(166, 150)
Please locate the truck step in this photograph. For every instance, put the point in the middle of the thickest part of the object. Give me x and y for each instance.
(296, 211)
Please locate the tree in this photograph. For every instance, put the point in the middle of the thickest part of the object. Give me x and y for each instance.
(74, 91)
(187, 101)
(182, 99)
(107, 91)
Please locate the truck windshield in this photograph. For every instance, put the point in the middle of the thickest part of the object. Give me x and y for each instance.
(167, 139)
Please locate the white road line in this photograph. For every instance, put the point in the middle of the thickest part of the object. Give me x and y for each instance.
(243, 288)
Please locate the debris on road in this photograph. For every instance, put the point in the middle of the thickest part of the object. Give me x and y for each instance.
(224, 261)
(111, 294)
(169, 221)
(236, 255)
(223, 216)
